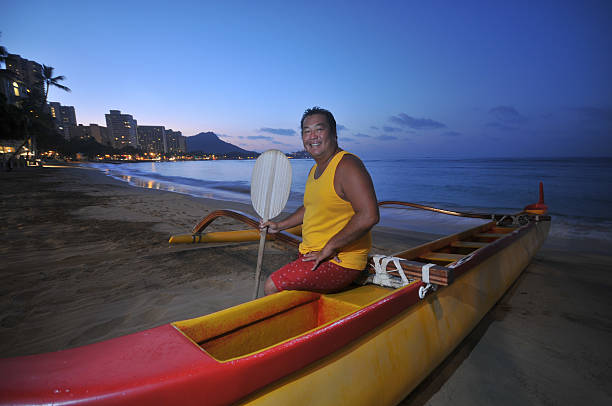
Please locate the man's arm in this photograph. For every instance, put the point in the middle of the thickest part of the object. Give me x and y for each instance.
(294, 219)
(353, 183)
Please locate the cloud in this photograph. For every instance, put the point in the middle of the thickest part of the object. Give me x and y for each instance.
(361, 135)
(501, 127)
(416, 123)
(373, 127)
(259, 137)
(278, 131)
(507, 114)
(451, 134)
(340, 127)
(389, 129)
(386, 137)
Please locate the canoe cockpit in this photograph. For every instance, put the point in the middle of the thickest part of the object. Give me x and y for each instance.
(255, 326)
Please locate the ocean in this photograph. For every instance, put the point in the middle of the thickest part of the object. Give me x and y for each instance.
(578, 191)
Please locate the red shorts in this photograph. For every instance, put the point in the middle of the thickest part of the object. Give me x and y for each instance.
(327, 278)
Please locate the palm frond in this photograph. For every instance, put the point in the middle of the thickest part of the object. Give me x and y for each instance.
(66, 88)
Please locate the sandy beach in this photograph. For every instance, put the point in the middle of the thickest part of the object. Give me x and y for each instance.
(86, 258)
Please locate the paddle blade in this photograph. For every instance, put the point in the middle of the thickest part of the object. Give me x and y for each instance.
(270, 183)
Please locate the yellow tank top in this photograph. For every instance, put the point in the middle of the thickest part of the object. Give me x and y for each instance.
(326, 214)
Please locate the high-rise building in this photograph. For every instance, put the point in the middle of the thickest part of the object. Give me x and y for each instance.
(64, 118)
(122, 129)
(176, 142)
(29, 72)
(152, 138)
(81, 132)
(100, 134)
(13, 90)
(182, 143)
(84, 132)
(24, 79)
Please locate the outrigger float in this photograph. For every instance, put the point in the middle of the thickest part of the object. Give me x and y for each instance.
(370, 345)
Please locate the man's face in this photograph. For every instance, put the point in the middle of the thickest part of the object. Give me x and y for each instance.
(318, 140)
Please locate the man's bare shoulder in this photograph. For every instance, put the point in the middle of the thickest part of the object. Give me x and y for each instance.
(351, 162)
(352, 180)
(351, 169)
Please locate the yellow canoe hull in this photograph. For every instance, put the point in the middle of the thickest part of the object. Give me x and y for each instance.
(385, 365)
(368, 345)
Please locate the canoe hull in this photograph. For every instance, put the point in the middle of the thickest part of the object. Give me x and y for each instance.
(375, 355)
(385, 365)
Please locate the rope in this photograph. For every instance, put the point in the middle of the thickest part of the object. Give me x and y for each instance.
(383, 278)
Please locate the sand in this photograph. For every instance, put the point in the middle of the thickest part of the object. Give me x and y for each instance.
(85, 258)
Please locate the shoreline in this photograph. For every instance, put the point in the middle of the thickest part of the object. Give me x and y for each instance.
(86, 258)
(566, 231)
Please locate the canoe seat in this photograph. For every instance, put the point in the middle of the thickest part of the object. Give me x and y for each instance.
(503, 230)
(468, 244)
(488, 235)
(441, 256)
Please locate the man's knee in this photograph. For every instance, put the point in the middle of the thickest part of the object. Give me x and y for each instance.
(270, 287)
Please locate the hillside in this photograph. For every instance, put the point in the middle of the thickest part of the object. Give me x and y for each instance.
(210, 143)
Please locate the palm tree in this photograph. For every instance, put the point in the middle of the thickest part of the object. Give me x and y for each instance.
(49, 80)
(4, 73)
(3, 52)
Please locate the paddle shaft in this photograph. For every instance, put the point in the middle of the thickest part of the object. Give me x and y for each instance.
(260, 253)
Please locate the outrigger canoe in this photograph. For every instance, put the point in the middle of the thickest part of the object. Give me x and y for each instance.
(369, 345)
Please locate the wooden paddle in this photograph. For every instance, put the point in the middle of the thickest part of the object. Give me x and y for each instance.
(270, 187)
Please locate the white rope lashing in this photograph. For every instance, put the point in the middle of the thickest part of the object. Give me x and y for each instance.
(382, 277)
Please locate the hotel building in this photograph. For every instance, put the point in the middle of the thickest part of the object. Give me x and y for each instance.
(95, 131)
(27, 76)
(152, 138)
(176, 142)
(122, 129)
(64, 118)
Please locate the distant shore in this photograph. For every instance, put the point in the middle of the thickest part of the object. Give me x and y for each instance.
(85, 258)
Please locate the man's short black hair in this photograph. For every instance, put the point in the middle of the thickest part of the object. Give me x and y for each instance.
(328, 116)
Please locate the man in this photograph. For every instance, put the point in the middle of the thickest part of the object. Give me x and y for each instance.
(340, 208)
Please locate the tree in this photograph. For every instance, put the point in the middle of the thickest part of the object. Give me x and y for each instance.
(49, 80)
(3, 52)
(5, 74)
(12, 119)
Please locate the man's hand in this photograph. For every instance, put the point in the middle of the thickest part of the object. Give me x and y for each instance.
(320, 256)
(293, 220)
(272, 226)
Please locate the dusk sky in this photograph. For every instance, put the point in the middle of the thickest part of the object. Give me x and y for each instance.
(403, 78)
